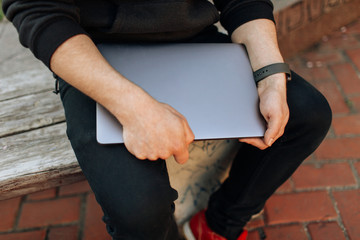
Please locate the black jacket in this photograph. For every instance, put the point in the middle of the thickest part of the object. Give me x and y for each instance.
(43, 25)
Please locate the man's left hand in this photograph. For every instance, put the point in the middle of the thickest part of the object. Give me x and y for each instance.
(274, 109)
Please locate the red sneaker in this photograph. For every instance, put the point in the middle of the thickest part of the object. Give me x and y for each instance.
(197, 229)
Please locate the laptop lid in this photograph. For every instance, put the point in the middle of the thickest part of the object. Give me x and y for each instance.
(212, 85)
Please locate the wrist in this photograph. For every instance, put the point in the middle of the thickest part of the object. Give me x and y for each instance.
(276, 82)
(131, 103)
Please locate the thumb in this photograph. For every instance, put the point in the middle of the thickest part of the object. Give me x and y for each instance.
(274, 126)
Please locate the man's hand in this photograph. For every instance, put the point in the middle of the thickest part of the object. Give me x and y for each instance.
(152, 130)
(274, 108)
(259, 38)
(156, 131)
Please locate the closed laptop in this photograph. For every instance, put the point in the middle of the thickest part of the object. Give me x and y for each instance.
(212, 85)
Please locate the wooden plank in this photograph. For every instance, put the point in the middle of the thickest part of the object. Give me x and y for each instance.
(20, 72)
(25, 83)
(36, 160)
(30, 112)
(10, 37)
(14, 59)
(22, 61)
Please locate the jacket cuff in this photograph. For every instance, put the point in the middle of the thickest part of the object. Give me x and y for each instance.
(239, 15)
(52, 36)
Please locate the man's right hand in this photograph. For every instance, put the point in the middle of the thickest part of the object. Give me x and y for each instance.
(154, 130)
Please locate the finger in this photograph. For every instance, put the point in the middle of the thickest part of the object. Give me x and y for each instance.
(189, 134)
(281, 132)
(153, 158)
(256, 142)
(140, 156)
(274, 128)
(165, 154)
(181, 157)
(282, 127)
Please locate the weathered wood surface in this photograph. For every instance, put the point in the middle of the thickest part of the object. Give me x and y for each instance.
(36, 160)
(30, 112)
(34, 151)
(20, 73)
(8, 35)
(24, 83)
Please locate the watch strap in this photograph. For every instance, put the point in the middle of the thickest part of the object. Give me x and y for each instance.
(271, 70)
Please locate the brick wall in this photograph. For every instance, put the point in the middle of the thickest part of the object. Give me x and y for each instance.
(306, 22)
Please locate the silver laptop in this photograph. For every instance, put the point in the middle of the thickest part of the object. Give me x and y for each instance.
(212, 85)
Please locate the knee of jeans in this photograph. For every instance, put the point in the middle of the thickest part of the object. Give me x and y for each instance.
(142, 212)
(311, 114)
(321, 116)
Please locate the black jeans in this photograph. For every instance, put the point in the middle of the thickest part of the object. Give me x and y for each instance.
(136, 196)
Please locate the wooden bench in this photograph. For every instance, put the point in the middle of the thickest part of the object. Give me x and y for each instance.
(34, 151)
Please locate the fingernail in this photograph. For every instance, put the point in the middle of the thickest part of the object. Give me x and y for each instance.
(271, 141)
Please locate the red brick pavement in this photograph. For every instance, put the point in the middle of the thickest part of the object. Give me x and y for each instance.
(321, 201)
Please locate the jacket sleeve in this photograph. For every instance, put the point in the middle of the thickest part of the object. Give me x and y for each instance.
(234, 13)
(43, 25)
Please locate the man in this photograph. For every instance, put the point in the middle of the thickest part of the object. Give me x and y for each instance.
(136, 197)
